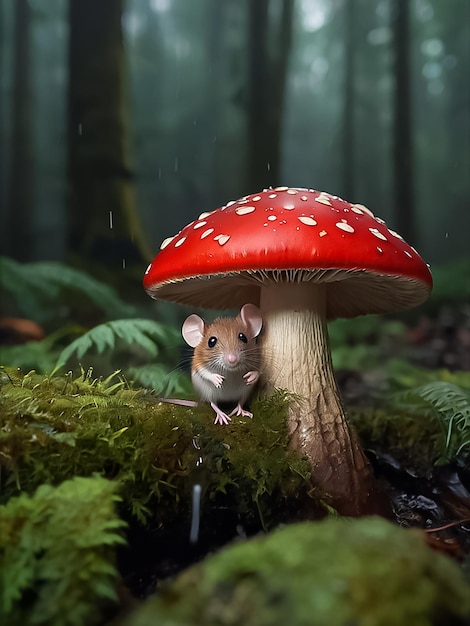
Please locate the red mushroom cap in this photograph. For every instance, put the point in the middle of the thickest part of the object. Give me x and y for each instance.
(222, 259)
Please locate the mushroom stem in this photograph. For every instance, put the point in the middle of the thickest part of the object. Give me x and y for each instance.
(296, 357)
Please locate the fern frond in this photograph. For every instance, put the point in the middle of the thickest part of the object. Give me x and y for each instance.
(33, 284)
(447, 398)
(141, 333)
(449, 404)
(40, 356)
(156, 376)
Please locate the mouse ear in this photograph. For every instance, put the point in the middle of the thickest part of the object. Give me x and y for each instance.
(193, 330)
(250, 315)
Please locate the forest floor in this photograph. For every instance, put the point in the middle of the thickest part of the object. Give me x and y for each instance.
(439, 500)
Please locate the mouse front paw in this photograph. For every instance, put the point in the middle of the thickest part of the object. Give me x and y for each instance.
(217, 380)
(251, 377)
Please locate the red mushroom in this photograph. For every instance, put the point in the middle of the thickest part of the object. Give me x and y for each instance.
(303, 257)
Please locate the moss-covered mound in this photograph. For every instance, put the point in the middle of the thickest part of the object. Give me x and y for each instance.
(55, 428)
(333, 573)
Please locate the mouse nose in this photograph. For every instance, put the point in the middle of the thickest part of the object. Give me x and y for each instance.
(232, 359)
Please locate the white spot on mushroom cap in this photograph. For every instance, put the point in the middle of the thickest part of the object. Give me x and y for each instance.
(148, 269)
(407, 253)
(395, 234)
(344, 226)
(165, 242)
(357, 209)
(204, 215)
(308, 221)
(364, 209)
(378, 234)
(379, 250)
(322, 233)
(180, 242)
(207, 232)
(245, 210)
(272, 218)
(323, 199)
(272, 195)
(199, 225)
(256, 198)
(303, 198)
(292, 191)
(281, 188)
(222, 239)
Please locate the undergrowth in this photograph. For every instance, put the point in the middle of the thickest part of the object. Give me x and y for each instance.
(139, 340)
(423, 421)
(37, 287)
(146, 350)
(447, 404)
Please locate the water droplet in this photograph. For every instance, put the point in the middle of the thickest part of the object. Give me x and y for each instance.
(196, 514)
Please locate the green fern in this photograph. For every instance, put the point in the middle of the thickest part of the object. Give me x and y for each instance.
(139, 335)
(38, 355)
(143, 333)
(156, 376)
(447, 403)
(57, 554)
(35, 285)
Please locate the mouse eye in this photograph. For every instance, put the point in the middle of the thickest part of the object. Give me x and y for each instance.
(242, 337)
(212, 341)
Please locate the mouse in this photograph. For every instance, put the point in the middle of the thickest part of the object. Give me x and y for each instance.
(226, 362)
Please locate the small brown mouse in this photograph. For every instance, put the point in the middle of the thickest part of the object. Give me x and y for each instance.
(226, 359)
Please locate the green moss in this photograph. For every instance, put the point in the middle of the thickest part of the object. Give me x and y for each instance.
(57, 554)
(364, 572)
(415, 441)
(55, 428)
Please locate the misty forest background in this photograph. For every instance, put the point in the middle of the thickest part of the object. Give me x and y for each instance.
(121, 121)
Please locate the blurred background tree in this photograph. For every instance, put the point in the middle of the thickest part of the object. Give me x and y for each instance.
(127, 117)
(102, 212)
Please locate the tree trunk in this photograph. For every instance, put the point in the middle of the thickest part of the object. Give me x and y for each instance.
(347, 151)
(103, 220)
(267, 82)
(18, 240)
(404, 208)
